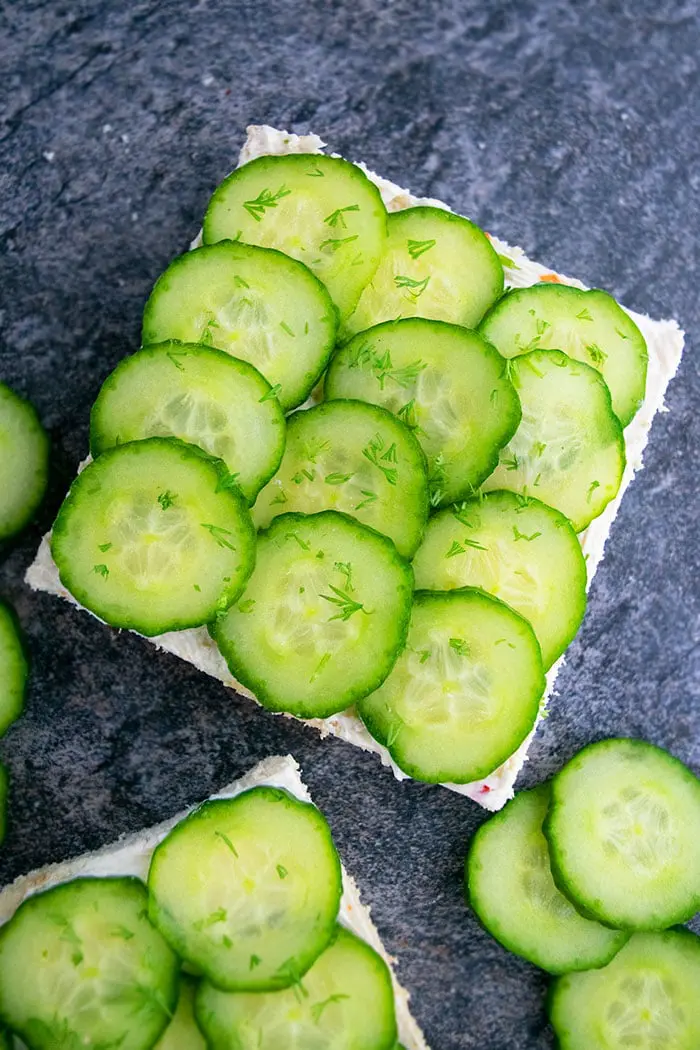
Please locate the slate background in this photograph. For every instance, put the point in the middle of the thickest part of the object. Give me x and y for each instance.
(569, 128)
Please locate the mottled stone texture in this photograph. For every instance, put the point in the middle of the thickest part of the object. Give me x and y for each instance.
(569, 128)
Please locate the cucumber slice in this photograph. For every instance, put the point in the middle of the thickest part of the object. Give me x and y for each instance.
(444, 382)
(153, 538)
(646, 998)
(589, 326)
(321, 210)
(13, 668)
(81, 965)
(516, 548)
(511, 889)
(465, 691)
(623, 835)
(248, 889)
(200, 395)
(323, 618)
(354, 457)
(256, 304)
(24, 462)
(436, 264)
(4, 791)
(569, 450)
(345, 1002)
(183, 1032)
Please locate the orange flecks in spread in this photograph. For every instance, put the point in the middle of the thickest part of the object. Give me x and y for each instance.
(553, 278)
(485, 789)
(487, 234)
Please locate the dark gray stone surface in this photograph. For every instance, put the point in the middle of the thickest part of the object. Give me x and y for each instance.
(569, 128)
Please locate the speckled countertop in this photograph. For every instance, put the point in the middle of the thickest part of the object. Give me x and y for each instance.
(572, 129)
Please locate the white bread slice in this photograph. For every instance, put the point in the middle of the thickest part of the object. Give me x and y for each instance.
(131, 856)
(665, 344)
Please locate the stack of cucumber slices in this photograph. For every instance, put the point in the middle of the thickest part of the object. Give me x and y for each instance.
(234, 944)
(334, 406)
(584, 877)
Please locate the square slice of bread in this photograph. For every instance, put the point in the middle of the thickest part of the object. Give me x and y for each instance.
(132, 855)
(665, 345)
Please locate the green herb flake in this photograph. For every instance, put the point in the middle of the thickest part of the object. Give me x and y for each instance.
(371, 453)
(167, 499)
(122, 932)
(226, 481)
(511, 463)
(281, 497)
(302, 543)
(272, 392)
(246, 606)
(287, 329)
(319, 666)
(518, 535)
(282, 871)
(418, 248)
(584, 315)
(591, 489)
(506, 260)
(337, 479)
(265, 199)
(219, 534)
(336, 218)
(227, 842)
(414, 287)
(502, 641)
(621, 334)
(318, 1008)
(459, 646)
(104, 547)
(425, 655)
(197, 588)
(331, 246)
(173, 356)
(598, 357)
(345, 569)
(455, 549)
(255, 960)
(370, 497)
(347, 605)
(101, 570)
(390, 456)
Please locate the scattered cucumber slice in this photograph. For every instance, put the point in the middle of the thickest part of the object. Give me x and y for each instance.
(256, 304)
(183, 1032)
(354, 457)
(200, 395)
(152, 538)
(437, 265)
(4, 791)
(24, 462)
(248, 889)
(647, 997)
(465, 691)
(323, 618)
(511, 889)
(516, 548)
(569, 450)
(446, 383)
(81, 965)
(345, 1002)
(589, 326)
(623, 835)
(321, 210)
(13, 668)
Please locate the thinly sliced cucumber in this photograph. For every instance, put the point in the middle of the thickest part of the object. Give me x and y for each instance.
(589, 326)
(444, 382)
(436, 264)
(321, 210)
(569, 450)
(13, 668)
(464, 693)
(197, 394)
(623, 835)
(4, 789)
(516, 548)
(153, 538)
(354, 457)
(345, 1002)
(646, 998)
(511, 889)
(183, 1032)
(256, 304)
(248, 889)
(81, 965)
(323, 618)
(24, 462)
